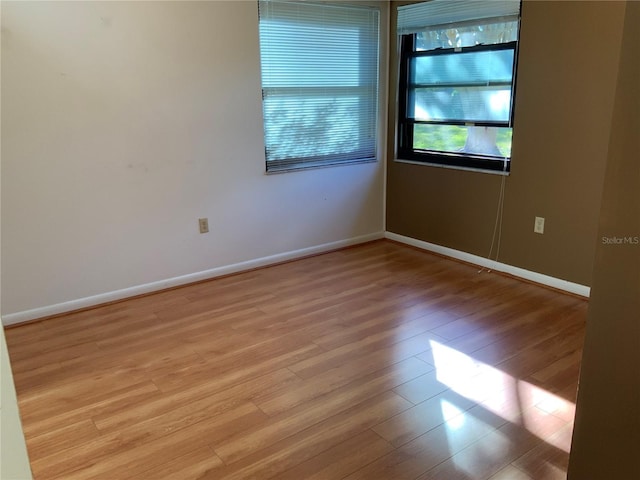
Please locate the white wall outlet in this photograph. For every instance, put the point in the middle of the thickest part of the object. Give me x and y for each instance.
(204, 225)
(538, 226)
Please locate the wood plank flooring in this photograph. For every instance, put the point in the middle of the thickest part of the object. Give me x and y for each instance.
(373, 362)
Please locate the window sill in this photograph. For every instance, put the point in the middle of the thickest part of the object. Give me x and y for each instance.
(453, 167)
(314, 166)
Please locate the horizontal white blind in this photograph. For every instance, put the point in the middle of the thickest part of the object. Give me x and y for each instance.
(319, 83)
(423, 16)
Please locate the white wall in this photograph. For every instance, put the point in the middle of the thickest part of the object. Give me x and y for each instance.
(122, 124)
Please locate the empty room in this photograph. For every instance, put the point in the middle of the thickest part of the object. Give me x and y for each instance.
(288, 239)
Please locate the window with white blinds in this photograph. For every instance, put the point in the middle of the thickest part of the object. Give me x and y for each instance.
(458, 67)
(319, 83)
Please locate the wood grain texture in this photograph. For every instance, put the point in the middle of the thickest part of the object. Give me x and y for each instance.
(372, 362)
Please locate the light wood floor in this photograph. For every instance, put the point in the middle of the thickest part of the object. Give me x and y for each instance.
(374, 362)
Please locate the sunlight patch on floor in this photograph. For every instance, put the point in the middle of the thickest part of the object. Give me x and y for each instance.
(517, 401)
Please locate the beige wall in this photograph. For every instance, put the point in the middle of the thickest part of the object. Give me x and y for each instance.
(606, 441)
(566, 82)
(125, 122)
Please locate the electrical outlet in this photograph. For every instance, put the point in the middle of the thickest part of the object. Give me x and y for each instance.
(538, 226)
(204, 225)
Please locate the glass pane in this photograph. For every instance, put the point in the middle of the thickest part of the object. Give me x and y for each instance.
(489, 141)
(311, 123)
(467, 36)
(314, 61)
(466, 104)
(469, 68)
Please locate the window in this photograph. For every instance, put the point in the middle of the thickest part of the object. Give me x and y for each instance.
(456, 83)
(319, 84)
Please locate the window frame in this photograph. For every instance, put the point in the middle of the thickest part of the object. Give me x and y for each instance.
(405, 125)
(362, 91)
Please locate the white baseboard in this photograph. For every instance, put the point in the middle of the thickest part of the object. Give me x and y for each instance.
(25, 316)
(553, 282)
